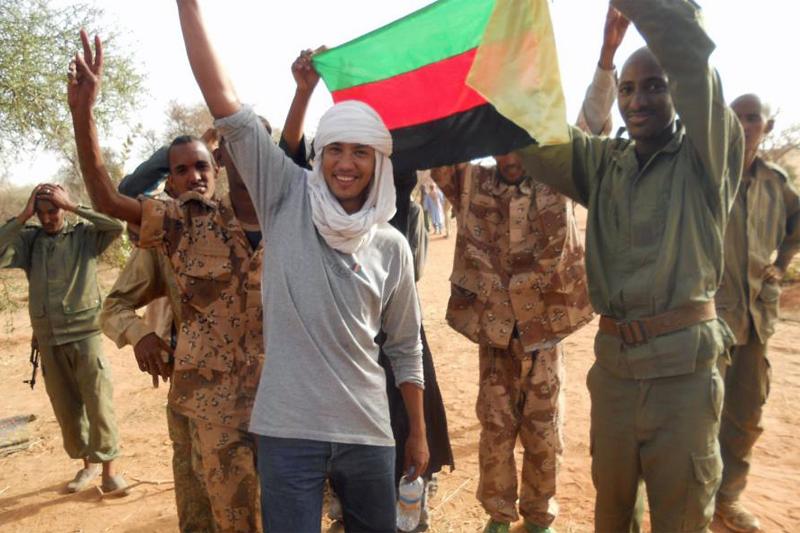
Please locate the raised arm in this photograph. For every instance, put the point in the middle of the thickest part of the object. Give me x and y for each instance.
(102, 230)
(15, 247)
(147, 175)
(673, 32)
(306, 79)
(213, 80)
(84, 85)
(595, 115)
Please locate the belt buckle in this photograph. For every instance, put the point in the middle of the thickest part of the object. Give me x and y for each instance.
(632, 333)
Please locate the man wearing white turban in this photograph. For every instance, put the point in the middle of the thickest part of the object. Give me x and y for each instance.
(335, 274)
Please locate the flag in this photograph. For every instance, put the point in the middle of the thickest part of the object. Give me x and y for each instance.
(456, 80)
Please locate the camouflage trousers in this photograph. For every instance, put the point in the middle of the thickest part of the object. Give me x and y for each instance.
(746, 391)
(191, 500)
(520, 395)
(225, 459)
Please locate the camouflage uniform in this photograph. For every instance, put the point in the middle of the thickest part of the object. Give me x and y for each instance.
(518, 288)
(147, 279)
(220, 347)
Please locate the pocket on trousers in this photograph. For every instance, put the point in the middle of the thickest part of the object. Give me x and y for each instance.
(707, 470)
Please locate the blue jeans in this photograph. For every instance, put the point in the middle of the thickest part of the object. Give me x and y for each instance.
(293, 474)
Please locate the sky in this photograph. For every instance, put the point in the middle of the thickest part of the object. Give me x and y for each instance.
(258, 40)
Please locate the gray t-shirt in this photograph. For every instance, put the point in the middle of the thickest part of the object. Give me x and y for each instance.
(323, 309)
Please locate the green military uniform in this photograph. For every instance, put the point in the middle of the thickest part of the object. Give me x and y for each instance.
(655, 244)
(148, 277)
(765, 219)
(64, 305)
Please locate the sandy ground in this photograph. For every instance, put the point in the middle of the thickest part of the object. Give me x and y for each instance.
(32, 496)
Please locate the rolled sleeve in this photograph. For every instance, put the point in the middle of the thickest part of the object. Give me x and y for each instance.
(401, 323)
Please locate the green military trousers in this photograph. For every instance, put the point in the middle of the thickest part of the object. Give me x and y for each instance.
(78, 381)
(746, 390)
(660, 430)
(191, 499)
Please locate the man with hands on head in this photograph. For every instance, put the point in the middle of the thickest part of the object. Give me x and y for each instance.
(338, 274)
(216, 264)
(658, 206)
(60, 260)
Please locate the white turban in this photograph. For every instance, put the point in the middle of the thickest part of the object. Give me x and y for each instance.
(352, 122)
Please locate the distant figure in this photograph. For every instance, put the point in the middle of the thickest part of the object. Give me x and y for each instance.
(764, 222)
(60, 260)
(433, 204)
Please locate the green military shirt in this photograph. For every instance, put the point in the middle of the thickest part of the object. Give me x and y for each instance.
(63, 295)
(654, 237)
(765, 219)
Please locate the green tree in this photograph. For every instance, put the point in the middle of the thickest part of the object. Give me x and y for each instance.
(37, 41)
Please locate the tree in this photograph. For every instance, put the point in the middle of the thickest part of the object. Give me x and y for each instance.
(186, 120)
(37, 41)
(783, 147)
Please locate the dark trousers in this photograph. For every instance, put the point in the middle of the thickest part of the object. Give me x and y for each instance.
(293, 474)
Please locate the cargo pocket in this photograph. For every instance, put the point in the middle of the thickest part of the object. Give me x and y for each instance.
(702, 487)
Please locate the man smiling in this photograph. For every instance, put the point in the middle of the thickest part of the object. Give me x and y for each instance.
(658, 205)
(338, 274)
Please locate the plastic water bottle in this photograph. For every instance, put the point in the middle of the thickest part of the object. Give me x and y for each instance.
(409, 502)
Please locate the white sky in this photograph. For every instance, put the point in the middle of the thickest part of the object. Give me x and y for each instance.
(258, 40)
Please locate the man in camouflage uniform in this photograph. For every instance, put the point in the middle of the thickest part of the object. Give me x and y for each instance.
(658, 205)
(148, 279)
(217, 268)
(765, 220)
(60, 259)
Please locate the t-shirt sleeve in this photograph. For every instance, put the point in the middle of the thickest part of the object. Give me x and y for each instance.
(401, 323)
(266, 171)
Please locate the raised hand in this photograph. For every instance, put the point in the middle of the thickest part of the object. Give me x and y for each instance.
(85, 74)
(57, 195)
(305, 75)
(613, 33)
(30, 206)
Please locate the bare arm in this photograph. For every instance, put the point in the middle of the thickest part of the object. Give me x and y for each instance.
(84, 85)
(416, 452)
(213, 80)
(306, 79)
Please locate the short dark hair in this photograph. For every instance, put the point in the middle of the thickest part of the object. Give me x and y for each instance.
(181, 140)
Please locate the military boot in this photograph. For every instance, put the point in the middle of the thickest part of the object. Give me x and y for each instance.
(736, 517)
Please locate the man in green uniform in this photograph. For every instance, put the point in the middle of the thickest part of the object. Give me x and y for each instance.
(765, 219)
(60, 260)
(658, 205)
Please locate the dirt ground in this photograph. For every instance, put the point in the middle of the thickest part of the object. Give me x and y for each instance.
(32, 497)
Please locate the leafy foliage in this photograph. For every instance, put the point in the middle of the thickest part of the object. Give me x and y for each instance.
(37, 41)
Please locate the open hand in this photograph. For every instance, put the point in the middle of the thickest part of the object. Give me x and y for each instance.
(153, 355)
(84, 75)
(30, 206)
(56, 195)
(613, 32)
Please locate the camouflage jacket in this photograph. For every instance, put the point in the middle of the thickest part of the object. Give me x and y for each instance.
(518, 260)
(220, 346)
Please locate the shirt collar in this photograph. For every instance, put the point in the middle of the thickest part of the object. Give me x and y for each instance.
(501, 187)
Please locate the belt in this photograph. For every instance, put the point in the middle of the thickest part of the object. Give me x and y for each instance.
(640, 330)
